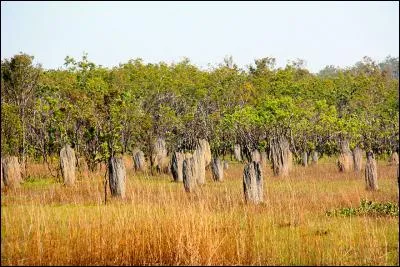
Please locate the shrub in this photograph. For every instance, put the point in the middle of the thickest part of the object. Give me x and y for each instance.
(367, 208)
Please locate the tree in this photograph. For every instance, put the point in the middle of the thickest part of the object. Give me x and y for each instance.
(19, 82)
(102, 112)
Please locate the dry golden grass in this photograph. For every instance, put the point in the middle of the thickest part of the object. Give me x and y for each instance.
(46, 223)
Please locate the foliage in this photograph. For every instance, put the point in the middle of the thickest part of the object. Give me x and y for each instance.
(11, 130)
(19, 79)
(102, 111)
(367, 208)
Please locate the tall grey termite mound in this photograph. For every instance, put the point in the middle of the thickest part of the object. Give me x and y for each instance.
(304, 158)
(357, 159)
(253, 183)
(139, 163)
(314, 157)
(200, 163)
(161, 161)
(345, 160)
(177, 165)
(371, 172)
(264, 158)
(290, 160)
(202, 158)
(394, 158)
(281, 156)
(117, 176)
(189, 172)
(11, 172)
(67, 164)
(256, 156)
(204, 147)
(237, 153)
(217, 169)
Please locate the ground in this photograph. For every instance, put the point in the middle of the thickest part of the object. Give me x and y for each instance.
(158, 223)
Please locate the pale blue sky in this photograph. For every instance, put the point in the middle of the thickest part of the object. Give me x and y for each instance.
(322, 33)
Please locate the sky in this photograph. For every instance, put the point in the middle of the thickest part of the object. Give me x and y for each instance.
(321, 33)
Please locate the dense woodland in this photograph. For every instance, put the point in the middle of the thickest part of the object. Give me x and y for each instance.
(102, 112)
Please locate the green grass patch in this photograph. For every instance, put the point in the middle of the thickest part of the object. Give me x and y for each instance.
(367, 208)
(38, 182)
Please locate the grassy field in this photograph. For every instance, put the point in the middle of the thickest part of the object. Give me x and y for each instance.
(46, 223)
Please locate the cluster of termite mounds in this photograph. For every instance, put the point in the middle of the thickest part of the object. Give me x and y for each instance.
(194, 166)
(353, 161)
(281, 159)
(190, 167)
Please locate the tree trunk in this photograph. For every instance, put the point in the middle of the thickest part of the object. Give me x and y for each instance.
(237, 153)
(357, 159)
(189, 174)
(253, 183)
(217, 169)
(177, 165)
(67, 164)
(371, 172)
(139, 163)
(11, 172)
(345, 160)
(394, 159)
(304, 158)
(281, 156)
(117, 176)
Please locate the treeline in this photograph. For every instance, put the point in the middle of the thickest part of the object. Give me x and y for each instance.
(102, 112)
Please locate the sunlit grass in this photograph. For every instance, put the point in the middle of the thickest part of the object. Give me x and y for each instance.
(158, 223)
